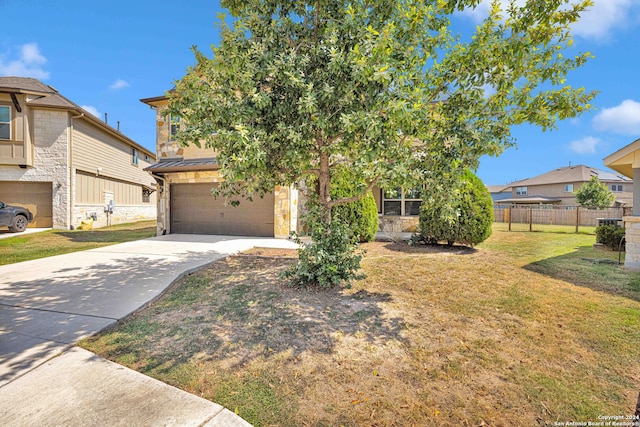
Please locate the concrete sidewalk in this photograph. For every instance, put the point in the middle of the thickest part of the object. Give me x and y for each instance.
(47, 305)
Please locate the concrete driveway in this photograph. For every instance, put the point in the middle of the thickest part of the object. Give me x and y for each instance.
(47, 305)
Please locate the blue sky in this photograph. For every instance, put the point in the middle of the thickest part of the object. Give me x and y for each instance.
(105, 56)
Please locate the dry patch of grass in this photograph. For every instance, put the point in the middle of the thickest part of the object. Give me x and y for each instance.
(433, 336)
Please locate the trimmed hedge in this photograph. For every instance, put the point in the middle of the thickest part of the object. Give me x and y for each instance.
(610, 235)
(361, 216)
(467, 221)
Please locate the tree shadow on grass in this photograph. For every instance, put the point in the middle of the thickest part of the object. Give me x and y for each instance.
(435, 249)
(238, 311)
(593, 269)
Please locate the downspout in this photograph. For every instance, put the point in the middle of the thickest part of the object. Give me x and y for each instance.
(71, 189)
(161, 200)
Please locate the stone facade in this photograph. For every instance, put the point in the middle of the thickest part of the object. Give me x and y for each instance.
(632, 237)
(50, 146)
(398, 224)
(121, 214)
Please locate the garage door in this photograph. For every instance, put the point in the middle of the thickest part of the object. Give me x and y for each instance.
(35, 196)
(195, 211)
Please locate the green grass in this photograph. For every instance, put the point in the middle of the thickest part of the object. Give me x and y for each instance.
(25, 247)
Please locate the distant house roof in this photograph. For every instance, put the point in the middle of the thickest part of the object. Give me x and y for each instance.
(498, 188)
(530, 200)
(42, 95)
(569, 174)
(183, 165)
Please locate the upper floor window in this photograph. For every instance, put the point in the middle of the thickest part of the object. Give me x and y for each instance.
(521, 191)
(568, 188)
(401, 203)
(616, 187)
(175, 125)
(134, 156)
(5, 122)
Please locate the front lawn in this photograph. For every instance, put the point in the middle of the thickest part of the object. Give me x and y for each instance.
(528, 329)
(24, 247)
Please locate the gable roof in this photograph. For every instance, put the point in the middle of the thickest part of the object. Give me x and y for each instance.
(43, 95)
(570, 174)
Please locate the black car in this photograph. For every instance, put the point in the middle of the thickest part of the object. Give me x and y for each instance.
(15, 217)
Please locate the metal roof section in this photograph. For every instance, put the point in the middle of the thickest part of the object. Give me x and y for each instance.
(183, 165)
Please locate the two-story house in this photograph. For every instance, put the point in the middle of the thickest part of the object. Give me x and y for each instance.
(66, 165)
(558, 187)
(186, 176)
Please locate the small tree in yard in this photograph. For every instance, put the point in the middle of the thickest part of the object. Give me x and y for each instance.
(384, 88)
(472, 217)
(594, 194)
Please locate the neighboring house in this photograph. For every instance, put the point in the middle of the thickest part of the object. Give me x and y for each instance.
(64, 164)
(186, 175)
(558, 187)
(626, 161)
(499, 192)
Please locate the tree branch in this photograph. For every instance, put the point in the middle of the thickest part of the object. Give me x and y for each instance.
(344, 200)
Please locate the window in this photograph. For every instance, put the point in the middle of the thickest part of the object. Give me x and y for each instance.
(175, 125)
(521, 191)
(396, 202)
(134, 156)
(568, 188)
(5, 122)
(616, 187)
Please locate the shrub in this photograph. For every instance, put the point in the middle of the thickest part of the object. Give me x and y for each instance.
(361, 216)
(329, 260)
(610, 235)
(467, 219)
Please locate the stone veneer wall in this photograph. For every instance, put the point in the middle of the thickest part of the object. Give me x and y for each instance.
(398, 224)
(50, 136)
(632, 236)
(121, 214)
(165, 148)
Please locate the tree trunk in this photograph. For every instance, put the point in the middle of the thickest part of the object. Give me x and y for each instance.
(637, 414)
(324, 182)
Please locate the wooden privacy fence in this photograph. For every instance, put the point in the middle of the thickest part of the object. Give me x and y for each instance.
(568, 216)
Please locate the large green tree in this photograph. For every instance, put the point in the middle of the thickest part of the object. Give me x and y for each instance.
(385, 88)
(594, 194)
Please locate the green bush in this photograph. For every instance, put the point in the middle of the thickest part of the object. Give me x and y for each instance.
(610, 235)
(329, 260)
(466, 220)
(361, 216)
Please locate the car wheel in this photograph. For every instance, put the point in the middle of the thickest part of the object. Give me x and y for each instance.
(19, 224)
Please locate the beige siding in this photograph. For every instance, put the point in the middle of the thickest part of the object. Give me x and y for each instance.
(98, 152)
(17, 150)
(91, 189)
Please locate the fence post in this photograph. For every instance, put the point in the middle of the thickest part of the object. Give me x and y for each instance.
(577, 218)
(531, 218)
(509, 214)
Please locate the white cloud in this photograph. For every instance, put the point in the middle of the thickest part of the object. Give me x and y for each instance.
(119, 84)
(623, 119)
(595, 23)
(28, 64)
(586, 145)
(603, 17)
(91, 109)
